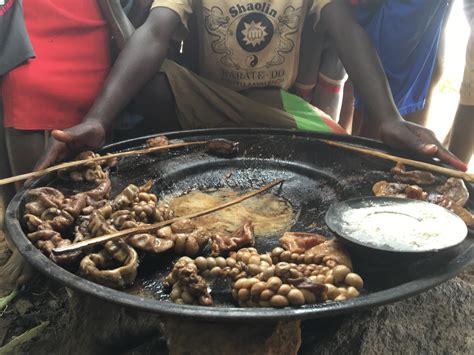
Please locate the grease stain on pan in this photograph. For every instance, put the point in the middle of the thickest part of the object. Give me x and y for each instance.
(270, 214)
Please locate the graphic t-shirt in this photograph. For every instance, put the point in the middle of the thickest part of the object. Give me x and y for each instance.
(246, 43)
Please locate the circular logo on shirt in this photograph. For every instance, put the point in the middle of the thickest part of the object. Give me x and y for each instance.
(254, 32)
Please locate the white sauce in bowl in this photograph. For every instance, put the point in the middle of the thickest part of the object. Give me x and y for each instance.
(404, 227)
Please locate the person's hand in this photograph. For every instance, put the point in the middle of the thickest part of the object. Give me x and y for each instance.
(415, 138)
(88, 135)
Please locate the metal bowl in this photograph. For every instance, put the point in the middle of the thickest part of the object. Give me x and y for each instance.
(411, 229)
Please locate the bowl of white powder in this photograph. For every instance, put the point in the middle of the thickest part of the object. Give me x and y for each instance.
(396, 225)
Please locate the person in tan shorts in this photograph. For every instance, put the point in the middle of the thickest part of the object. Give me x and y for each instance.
(462, 136)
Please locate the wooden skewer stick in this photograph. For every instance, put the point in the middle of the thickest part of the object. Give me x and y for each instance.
(147, 228)
(75, 163)
(418, 164)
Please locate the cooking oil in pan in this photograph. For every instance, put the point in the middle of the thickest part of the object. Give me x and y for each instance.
(270, 214)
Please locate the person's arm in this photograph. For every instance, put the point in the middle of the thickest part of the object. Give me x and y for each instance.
(140, 59)
(366, 72)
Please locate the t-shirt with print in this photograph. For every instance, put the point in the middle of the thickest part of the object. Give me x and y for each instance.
(244, 43)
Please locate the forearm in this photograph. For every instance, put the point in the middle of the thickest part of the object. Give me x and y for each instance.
(139, 61)
(361, 62)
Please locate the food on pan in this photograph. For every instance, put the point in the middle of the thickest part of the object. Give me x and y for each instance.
(452, 195)
(278, 278)
(90, 171)
(222, 147)
(308, 269)
(413, 177)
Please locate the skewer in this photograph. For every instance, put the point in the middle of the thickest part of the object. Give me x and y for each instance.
(147, 228)
(416, 163)
(75, 163)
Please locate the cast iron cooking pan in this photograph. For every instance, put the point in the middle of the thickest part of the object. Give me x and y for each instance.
(317, 175)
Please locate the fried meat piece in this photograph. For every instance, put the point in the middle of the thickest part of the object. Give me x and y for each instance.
(299, 242)
(102, 267)
(413, 177)
(332, 250)
(223, 243)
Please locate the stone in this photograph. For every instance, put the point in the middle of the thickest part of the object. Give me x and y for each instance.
(437, 321)
(188, 336)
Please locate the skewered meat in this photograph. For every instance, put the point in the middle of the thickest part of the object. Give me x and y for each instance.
(188, 239)
(223, 243)
(183, 226)
(298, 242)
(416, 177)
(222, 147)
(90, 171)
(159, 141)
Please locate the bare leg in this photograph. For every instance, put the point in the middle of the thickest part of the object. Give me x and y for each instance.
(328, 93)
(421, 116)
(358, 122)
(347, 109)
(462, 136)
(24, 149)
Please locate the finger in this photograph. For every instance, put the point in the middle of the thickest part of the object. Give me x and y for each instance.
(49, 157)
(63, 136)
(405, 139)
(448, 157)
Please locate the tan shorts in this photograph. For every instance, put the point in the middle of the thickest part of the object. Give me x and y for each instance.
(202, 103)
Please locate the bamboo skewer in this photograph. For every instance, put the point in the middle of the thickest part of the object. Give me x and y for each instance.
(147, 228)
(75, 163)
(416, 163)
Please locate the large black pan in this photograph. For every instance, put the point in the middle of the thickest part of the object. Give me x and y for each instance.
(317, 175)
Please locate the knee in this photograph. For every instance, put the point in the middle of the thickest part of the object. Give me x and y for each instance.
(159, 89)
